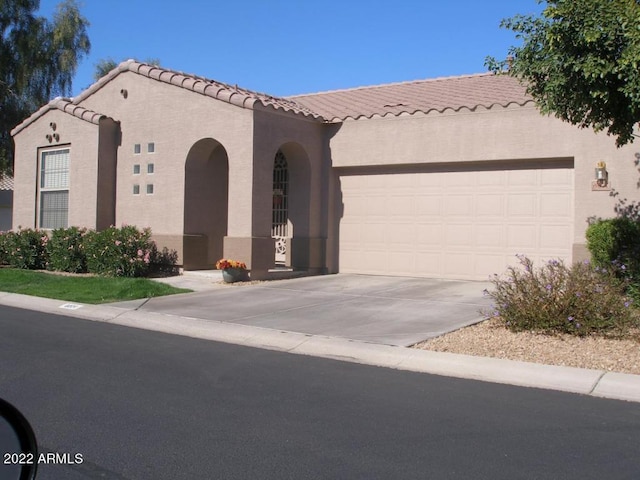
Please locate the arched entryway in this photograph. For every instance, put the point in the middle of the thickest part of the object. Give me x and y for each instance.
(291, 204)
(206, 190)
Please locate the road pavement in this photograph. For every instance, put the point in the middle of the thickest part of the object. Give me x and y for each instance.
(140, 404)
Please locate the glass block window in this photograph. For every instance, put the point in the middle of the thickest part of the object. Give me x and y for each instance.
(54, 189)
(149, 188)
(150, 168)
(136, 148)
(151, 147)
(136, 189)
(136, 169)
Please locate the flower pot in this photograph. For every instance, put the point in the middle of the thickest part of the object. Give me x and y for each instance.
(231, 275)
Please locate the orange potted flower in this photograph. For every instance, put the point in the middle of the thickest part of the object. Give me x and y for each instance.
(232, 270)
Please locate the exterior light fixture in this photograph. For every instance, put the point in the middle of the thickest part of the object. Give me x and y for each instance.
(602, 176)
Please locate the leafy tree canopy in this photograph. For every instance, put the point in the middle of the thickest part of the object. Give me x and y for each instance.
(38, 59)
(580, 61)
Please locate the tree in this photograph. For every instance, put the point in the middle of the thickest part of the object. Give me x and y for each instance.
(38, 59)
(580, 61)
(105, 65)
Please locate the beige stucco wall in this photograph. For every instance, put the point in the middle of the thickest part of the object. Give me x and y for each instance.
(513, 133)
(83, 164)
(174, 119)
(303, 143)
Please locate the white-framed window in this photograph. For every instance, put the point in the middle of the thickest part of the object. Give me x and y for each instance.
(136, 149)
(53, 189)
(136, 169)
(149, 188)
(151, 147)
(136, 189)
(150, 167)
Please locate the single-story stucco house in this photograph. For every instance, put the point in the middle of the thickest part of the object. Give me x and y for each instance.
(6, 202)
(447, 178)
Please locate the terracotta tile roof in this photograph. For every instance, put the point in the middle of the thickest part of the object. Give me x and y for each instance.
(6, 182)
(455, 93)
(65, 105)
(221, 91)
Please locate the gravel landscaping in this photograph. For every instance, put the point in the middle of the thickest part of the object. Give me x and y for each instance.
(490, 339)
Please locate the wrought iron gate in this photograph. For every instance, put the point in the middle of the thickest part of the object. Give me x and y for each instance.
(280, 215)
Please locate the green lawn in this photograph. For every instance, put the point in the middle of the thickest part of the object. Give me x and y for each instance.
(82, 289)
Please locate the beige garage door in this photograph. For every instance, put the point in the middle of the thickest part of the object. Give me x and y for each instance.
(454, 224)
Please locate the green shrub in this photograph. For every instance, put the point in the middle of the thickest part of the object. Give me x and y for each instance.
(5, 240)
(615, 242)
(163, 263)
(581, 300)
(27, 248)
(119, 252)
(67, 250)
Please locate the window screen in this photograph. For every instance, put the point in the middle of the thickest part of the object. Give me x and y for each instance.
(54, 189)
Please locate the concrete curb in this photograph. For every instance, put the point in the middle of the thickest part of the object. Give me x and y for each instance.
(596, 383)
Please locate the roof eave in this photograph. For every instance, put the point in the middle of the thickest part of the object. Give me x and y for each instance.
(65, 105)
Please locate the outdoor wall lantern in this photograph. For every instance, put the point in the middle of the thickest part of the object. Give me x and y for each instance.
(602, 176)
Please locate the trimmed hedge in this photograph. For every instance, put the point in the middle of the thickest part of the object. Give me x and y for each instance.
(119, 252)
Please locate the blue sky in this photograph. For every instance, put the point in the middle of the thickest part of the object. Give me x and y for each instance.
(287, 47)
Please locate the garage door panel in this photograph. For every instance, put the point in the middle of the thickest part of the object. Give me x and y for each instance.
(429, 237)
(457, 205)
(488, 205)
(458, 235)
(490, 236)
(428, 205)
(456, 265)
(455, 224)
(556, 177)
(554, 237)
(522, 205)
(555, 205)
(522, 178)
(522, 237)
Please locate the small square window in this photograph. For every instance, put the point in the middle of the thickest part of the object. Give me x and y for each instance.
(136, 169)
(136, 189)
(151, 147)
(150, 168)
(136, 148)
(149, 188)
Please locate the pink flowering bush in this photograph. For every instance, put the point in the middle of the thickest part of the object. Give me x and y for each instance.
(125, 251)
(25, 248)
(120, 252)
(581, 300)
(66, 249)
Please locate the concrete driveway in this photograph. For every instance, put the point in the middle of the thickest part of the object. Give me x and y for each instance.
(386, 310)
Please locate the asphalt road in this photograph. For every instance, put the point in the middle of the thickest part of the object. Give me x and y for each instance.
(145, 405)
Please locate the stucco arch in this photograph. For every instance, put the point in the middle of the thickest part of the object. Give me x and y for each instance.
(206, 191)
(299, 203)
